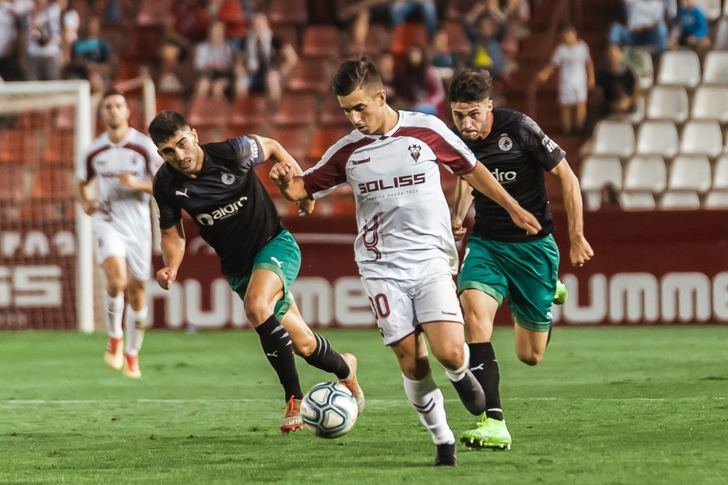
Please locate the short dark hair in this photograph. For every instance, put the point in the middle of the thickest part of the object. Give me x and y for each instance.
(112, 92)
(165, 125)
(354, 74)
(470, 86)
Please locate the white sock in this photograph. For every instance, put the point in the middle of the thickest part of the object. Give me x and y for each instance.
(134, 326)
(430, 405)
(457, 374)
(114, 311)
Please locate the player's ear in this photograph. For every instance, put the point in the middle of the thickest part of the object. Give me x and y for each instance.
(382, 97)
(489, 104)
(194, 134)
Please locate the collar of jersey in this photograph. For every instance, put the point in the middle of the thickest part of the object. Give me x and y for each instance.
(389, 133)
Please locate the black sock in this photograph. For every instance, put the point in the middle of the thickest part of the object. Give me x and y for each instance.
(484, 367)
(327, 359)
(278, 349)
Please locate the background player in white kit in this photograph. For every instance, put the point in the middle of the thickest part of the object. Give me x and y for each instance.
(123, 161)
(405, 249)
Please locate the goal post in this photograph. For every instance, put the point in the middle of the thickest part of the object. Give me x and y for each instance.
(48, 278)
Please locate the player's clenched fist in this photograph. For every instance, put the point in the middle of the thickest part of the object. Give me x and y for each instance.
(458, 229)
(166, 276)
(281, 173)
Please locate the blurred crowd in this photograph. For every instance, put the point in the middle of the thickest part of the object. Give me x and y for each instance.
(229, 48)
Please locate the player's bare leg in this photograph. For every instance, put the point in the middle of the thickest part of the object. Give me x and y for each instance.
(116, 278)
(136, 320)
(319, 352)
(264, 290)
(579, 116)
(479, 311)
(530, 345)
(566, 118)
(448, 346)
(425, 396)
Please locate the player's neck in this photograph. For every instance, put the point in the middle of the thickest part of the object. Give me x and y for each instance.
(116, 135)
(390, 121)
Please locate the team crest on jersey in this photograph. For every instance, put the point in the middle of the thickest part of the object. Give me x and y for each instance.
(415, 152)
(505, 143)
(228, 178)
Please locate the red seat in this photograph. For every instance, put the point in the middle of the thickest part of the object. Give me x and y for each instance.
(12, 184)
(59, 148)
(294, 140)
(287, 12)
(322, 41)
(377, 40)
(170, 101)
(39, 210)
(309, 75)
(12, 146)
(457, 40)
(331, 113)
(52, 184)
(153, 12)
(209, 111)
(296, 110)
(250, 111)
(407, 35)
(322, 140)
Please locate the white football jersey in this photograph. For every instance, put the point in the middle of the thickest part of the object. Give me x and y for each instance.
(402, 216)
(136, 154)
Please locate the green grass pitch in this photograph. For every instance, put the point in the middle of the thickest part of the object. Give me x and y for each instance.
(608, 405)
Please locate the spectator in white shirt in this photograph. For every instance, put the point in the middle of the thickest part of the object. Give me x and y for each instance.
(645, 25)
(214, 62)
(45, 58)
(9, 32)
(576, 78)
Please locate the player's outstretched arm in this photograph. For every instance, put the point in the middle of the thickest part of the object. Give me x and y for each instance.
(130, 182)
(173, 251)
(461, 206)
(275, 152)
(289, 183)
(580, 250)
(484, 182)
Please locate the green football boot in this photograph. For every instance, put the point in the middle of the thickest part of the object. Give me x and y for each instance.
(562, 294)
(488, 433)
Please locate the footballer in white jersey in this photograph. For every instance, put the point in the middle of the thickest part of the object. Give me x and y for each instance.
(405, 249)
(402, 215)
(122, 162)
(122, 222)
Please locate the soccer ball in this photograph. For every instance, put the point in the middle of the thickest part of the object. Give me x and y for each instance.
(329, 410)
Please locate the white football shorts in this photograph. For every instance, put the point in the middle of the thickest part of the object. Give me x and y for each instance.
(401, 306)
(136, 249)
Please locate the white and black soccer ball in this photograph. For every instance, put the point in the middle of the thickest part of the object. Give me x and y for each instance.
(329, 410)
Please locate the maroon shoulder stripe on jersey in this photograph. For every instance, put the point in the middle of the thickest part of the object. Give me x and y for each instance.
(444, 151)
(333, 172)
(90, 172)
(143, 152)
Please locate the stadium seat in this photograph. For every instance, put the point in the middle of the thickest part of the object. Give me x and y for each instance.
(639, 113)
(209, 111)
(59, 148)
(296, 109)
(637, 200)
(711, 8)
(720, 39)
(640, 61)
(377, 41)
(690, 173)
(701, 138)
(596, 173)
(679, 201)
(668, 103)
(294, 140)
(680, 68)
(716, 68)
(13, 186)
(170, 101)
(645, 174)
(716, 199)
(153, 12)
(323, 41)
(287, 12)
(457, 39)
(657, 138)
(250, 112)
(322, 139)
(406, 35)
(46, 211)
(309, 75)
(12, 144)
(614, 138)
(52, 184)
(720, 174)
(331, 113)
(711, 103)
